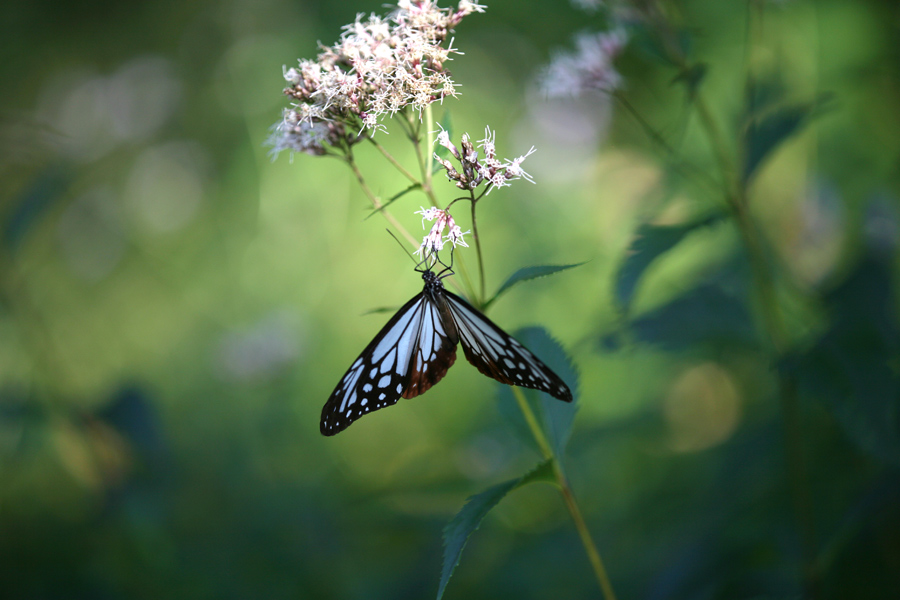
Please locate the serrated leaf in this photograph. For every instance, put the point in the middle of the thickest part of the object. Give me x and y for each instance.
(554, 416)
(706, 314)
(854, 369)
(764, 134)
(652, 241)
(715, 311)
(393, 199)
(527, 273)
(457, 532)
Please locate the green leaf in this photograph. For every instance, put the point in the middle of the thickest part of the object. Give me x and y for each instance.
(526, 273)
(854, 369)
(554, 416)
(380, 310)
(393, 199)
(713, 312)
(765, 133)
(706, 314)
(457, 532)
(651, 241)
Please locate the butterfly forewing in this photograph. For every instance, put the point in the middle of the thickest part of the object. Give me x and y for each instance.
(408, 356)
(498, 355)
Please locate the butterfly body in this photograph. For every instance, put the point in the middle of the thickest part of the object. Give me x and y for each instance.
(415, 349)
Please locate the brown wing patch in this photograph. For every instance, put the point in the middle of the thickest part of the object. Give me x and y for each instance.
(431, 371)
(435, 354)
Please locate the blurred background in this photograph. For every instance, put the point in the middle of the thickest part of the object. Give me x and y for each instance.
(176, 307)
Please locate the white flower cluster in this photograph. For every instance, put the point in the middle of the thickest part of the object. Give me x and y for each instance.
(474, 170)
(435, 239)
(378, 67)
(589, 68)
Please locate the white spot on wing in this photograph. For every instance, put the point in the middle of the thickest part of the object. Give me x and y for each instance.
(388, 361)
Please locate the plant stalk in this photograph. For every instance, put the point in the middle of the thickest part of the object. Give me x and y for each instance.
(377, 203)
(562, 482)
(482, 297)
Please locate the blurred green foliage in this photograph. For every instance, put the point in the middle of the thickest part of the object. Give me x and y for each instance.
(175, 308)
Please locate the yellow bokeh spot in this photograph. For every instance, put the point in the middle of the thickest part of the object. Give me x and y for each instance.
(702, 408)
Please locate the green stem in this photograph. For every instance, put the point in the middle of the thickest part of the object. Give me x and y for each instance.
(481, 298)
(584, 533)
(429, 140)
(394, 161)
(464, 275)
(423, 163)
(776, 332)
(377, 203)
(772, 323)
(717, 141)
(533, 424)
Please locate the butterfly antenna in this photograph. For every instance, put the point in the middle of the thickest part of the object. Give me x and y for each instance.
(402, 245)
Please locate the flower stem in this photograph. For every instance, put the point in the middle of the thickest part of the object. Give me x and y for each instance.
(377, 203)
(423, 163)
(481, 298)
(584, 533)
(395, 162)
(429, 143)
(565, 489)
(533, 424)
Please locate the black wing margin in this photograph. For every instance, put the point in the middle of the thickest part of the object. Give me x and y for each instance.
(499, 355)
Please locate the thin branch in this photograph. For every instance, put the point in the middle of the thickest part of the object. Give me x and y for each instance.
(584, 533)
(481, 297)
(377, 203)
(394, 161)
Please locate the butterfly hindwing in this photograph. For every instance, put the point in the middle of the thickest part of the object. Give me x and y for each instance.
(408, 356)
(498, 355)
(434, 353)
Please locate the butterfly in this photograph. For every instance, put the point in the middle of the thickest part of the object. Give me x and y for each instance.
(418, 345)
